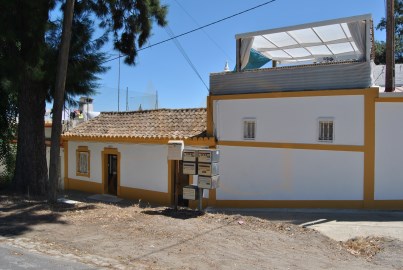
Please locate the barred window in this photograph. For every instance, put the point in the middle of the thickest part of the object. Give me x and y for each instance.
(249, 129)
(326, 130)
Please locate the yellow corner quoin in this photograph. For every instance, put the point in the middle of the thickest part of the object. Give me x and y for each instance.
(369, 143)
(66, 164)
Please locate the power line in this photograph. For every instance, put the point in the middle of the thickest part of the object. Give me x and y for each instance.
(211, 39)
(183, 52)
(197, 29)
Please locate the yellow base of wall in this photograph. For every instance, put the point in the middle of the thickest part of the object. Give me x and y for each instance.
(392, 204)
(156, 197)
(80, 185)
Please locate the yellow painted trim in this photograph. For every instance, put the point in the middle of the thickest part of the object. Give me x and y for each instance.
(104, 162)
(342, 204)
(369, 142)
(66, 164)
(289, 204)
(171, 178)
(202, 141)
(86, 186)
(314, 93)
(389, 99)
(85, 150)
(388, 204)
(155, 197)
(329, 147)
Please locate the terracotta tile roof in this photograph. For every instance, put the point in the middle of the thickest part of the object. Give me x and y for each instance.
(161, 123)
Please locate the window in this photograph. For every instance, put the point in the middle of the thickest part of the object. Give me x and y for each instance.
(326, 130)
(249, 129)
(83, 161)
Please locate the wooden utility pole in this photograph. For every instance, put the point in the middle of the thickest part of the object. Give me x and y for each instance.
(390, 47)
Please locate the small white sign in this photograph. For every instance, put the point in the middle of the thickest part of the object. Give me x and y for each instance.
(175, 149)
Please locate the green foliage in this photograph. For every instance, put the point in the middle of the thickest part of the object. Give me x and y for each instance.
(128, 21)
(85, 58)
(7, 165)
(380, 46)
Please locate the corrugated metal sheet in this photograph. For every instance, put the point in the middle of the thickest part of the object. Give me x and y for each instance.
(344, 75)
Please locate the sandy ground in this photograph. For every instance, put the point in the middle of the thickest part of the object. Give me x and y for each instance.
(129, 235)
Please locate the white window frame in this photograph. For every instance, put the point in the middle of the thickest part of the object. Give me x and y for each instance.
(324, 138)
(246, 136)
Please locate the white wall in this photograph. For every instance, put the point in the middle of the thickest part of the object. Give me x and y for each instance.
(253, 173)
(292, 120)
(389, 151)
(142, 166)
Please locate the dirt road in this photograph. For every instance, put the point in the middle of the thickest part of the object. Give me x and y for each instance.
(132, 236)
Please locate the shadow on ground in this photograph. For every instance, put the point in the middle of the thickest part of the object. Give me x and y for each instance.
(179, 214)
(19, 214)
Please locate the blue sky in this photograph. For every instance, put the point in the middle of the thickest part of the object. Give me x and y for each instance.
(163, 68)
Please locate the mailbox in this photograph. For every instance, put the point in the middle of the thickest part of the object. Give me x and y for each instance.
(190, 155)
(209, 182)
(207, 169)
(189, 168)
(175, 149)
(190, 192)
(209, 155)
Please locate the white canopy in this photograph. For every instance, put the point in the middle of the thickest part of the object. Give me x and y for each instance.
(326, 41)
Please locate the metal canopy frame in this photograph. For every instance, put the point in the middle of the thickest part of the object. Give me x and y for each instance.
(314, 44)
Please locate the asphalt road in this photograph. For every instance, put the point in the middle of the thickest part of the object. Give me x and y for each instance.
(13, 258)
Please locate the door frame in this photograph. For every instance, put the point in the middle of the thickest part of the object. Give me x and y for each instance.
(104, 156)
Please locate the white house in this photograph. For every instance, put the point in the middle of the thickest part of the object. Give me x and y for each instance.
(313, 132)
(125, 153)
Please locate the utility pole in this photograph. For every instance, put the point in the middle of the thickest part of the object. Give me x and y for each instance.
(119, 85)
(127, 99)
(390, 47)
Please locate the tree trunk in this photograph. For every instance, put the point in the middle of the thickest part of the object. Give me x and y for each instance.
(31, 174)
(62, 63)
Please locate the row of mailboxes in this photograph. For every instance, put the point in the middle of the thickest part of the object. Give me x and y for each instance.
(204, 169)
(204, 163)
(201, 155)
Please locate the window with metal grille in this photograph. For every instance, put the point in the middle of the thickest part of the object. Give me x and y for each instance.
(326, 130)
(249, 129)
(83, 161)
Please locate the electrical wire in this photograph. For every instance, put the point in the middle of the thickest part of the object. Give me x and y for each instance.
(197, 24)
(197, 29)
(183, 52)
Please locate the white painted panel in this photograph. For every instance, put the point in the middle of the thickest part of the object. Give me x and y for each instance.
(389, 151)
(292, 120)
(253, 173)
(144, 166)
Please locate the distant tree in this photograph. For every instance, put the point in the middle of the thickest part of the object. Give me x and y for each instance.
(380, 46)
